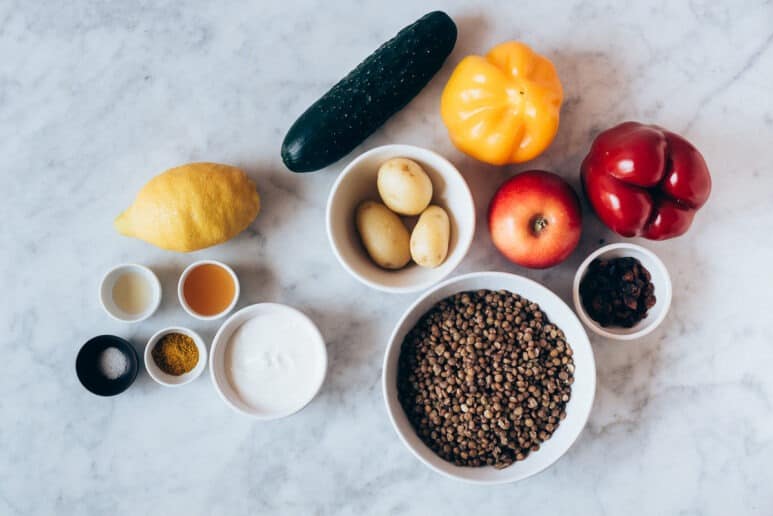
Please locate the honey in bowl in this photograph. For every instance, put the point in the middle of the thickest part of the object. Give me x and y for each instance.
(209, 289)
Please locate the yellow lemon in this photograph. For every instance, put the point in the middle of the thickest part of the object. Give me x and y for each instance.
(191, 207)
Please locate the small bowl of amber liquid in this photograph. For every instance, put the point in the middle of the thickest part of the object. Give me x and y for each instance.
(175, 356)
(208, 289)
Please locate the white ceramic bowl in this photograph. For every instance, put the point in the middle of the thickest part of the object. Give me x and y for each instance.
(577, 410)
(169, 380)
(220, 344)
(184, 303)
(357, 183)
(106, 292)
(660, 278)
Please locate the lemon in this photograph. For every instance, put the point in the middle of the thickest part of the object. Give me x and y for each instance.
(191, 207)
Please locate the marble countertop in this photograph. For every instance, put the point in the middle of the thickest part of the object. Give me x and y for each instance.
(98, 97)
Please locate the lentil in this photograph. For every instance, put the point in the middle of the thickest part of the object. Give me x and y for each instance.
(510, 385)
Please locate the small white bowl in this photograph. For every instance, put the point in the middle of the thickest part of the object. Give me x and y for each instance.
(184, 303)
(357, 183)
(106, 292)
(220, 344)
(660, 278)
(577, 409)
(169, 380)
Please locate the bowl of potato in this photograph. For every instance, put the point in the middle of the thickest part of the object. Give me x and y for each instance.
(400, 218)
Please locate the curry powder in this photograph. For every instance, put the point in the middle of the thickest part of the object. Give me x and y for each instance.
(175, 354)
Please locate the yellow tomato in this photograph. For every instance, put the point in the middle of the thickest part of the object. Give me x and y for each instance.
(504, 107)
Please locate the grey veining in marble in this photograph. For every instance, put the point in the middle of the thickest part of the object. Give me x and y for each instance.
(97, 97)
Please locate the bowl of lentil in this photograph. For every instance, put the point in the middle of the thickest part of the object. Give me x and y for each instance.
(489, 378)
(175, 356)
(616, 275)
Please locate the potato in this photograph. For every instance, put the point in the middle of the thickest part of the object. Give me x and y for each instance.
(430, 237)
(383, 234)
(404, 186)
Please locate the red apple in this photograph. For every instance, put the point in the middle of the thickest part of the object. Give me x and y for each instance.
(535, 219)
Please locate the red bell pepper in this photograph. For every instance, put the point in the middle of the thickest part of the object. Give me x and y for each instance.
(643, 180)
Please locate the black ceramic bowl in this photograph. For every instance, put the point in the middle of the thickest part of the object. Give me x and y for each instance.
(90, 374)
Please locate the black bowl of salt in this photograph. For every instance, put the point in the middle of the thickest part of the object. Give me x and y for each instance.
(107, 365)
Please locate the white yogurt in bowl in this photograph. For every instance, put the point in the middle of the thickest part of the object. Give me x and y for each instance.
(268, 361)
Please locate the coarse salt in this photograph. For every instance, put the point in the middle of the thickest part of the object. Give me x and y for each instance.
(113, 363)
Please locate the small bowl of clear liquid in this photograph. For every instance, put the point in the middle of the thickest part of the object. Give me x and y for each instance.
(130, 292)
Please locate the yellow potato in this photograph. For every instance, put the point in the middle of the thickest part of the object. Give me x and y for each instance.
(404, 186)
(383, 234)
(430, 237)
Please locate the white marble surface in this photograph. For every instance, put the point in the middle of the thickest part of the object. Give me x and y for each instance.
(97, 97)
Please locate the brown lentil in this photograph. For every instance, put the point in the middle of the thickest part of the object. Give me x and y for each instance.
(510, 383)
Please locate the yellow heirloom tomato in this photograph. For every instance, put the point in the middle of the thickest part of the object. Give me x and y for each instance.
(504, 107)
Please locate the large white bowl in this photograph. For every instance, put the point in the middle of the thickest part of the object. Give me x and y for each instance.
(577, 410)
(357, 183)
(316, 348)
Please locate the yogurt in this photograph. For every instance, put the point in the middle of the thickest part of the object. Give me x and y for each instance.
(275, 361)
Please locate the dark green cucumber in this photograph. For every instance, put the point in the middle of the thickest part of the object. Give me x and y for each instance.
(374, 91)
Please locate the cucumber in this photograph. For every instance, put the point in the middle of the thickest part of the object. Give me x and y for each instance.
(374, 91)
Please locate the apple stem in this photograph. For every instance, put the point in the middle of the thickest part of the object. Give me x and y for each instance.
(538, 224)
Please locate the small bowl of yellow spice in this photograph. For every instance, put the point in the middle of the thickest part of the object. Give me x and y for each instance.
(175, 356)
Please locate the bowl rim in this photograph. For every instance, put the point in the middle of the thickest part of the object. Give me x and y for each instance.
(464, 247)
(181, 296)
(155, 285)
(650, 326)
(392, 342)
(159, 376)
(219, 342)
